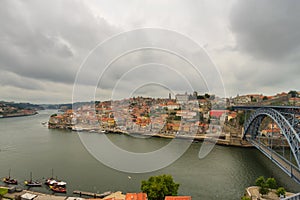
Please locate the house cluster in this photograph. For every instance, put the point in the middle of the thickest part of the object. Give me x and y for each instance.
(291, 98)
(187, 113)
(7, 110)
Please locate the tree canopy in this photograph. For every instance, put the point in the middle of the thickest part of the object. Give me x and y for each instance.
(271, 183)
(265, 185)
(280, 191)
(260, 181)
(157, 187)
(3, 191)
(293, 93)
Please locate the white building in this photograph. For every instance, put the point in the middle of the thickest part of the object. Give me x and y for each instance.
(182, 98)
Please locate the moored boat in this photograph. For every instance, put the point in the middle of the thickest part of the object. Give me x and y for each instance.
(32, 183)
(58, 189)
(52, 182)
(56, 186)
(9, 180)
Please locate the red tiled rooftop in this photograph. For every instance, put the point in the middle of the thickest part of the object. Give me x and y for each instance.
(178, 198)
(136, 196)
(217, 113)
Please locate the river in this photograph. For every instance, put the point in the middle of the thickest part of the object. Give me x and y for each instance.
(28, 146)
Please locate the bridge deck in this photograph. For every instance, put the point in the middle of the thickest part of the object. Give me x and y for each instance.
(289, 168)
(254, 107)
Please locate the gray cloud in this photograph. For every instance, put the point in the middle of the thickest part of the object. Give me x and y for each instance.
(42, 44)
(267, 47)
(267, 29)
(11, 79)
(48, 40)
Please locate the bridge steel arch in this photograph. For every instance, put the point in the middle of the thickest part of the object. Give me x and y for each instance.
(252, 127)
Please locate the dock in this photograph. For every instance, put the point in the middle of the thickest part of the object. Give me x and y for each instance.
(91, 194)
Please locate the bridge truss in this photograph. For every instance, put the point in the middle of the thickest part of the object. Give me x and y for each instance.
(288, 121)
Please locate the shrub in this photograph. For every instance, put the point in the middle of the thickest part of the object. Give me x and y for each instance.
(245, 198)
(260, 181)
(271, 183)
(280, 191)
(263, 190)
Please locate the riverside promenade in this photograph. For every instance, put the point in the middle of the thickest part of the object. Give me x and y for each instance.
(253, 193)
(28, 194)
(214, 138)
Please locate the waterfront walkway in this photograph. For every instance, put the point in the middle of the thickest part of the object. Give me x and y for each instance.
(253, 193)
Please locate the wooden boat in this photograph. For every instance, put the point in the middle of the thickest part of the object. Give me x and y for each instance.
(31, 183)
(58, 189)
(56, 186)
(49, 181)
(9, 180)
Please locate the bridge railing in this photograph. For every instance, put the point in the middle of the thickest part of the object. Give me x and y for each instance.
(288, 167)
(293, 197)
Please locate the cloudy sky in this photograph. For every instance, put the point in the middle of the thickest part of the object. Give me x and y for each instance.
(51, 51)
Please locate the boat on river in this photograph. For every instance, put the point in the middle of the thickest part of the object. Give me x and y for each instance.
(32, 183)
(55, 185)
(58, 189)
(9, 180)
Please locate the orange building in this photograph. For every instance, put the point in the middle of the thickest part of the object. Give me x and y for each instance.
(136, 196)
(178, 198)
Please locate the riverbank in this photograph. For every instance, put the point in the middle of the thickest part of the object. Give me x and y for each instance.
(224, 140)
(253, 193)
(28, 194)
(18, 115)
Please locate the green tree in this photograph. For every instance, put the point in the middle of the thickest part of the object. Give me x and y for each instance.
(293, 93)
(157, 187)
(3, 191)
(245, 198)
(177, 118)
(200, 97)
(264, 189)
(260, 181)
(280, 191)
(265, 98)
(271, 183)
(207, 96)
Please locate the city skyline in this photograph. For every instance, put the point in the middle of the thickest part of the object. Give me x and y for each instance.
(253, 44)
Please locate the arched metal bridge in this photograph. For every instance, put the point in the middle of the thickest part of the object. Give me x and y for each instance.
(287, 119)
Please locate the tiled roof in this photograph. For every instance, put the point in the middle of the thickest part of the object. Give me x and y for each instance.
(178, 198)
(136, 196)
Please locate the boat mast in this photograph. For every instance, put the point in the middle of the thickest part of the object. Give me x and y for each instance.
(52, 173)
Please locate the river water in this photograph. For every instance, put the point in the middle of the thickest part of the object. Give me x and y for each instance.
(28, 146)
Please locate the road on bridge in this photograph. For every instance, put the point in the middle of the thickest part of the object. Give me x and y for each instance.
(289, 168)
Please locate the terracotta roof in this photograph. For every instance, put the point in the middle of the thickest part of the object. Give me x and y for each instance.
(217, 113)
(136, 196)
(178, 198)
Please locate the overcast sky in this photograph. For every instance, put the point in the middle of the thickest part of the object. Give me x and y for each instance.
(249, 46)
